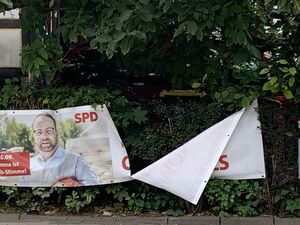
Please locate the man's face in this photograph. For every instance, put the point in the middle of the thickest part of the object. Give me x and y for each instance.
(44, 133)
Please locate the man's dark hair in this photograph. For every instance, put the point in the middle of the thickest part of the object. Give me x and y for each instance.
(47, 115)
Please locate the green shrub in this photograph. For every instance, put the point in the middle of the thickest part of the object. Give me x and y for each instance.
(280, 136)
(122, 112)
(80, 198)
(239, 197)
(139, 197)
(288, 200)
(293, 206)
(28, 199)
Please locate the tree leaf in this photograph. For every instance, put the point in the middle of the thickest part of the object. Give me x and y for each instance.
(284, 69)
(94, 43)
(7, 3)
(283, 61)
(110, 51)
(241, 38)
(125, 15)
(238, 96)
(292, 70)
(225, 94)
(180, 29)
(140, 115)
(150, 27)
(199, 34)
(37, 44)
(254, 51)
(267, 86)
(51, 3)
(103, 39)
(264, 71)
(192, 27)
(39, 62)
(43, 53)
(196, 85)
(245, 102)
(126, 44)
(118, 36)
(273, 80)
(73, 35)
(138, 34)
(218, 96)
(89, 32)
(167, 6)
(202, 9)
(291, 81)
(145, 14)
(288, 94)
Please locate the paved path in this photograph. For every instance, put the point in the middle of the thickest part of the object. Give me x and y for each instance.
(14, 219)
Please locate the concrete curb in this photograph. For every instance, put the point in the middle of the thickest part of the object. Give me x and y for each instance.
(14, 219)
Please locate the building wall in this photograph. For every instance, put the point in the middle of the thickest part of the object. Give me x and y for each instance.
(10, 44)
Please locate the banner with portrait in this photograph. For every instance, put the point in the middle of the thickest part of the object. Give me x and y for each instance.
(77, 146)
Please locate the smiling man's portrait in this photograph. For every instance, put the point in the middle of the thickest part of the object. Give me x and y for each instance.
(53, 165)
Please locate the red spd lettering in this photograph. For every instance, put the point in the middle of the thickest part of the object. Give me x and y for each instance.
(125, 163)
(85, 116)
(223, 164)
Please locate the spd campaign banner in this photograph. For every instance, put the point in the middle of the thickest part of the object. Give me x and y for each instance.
(186, 171)
(77, 146)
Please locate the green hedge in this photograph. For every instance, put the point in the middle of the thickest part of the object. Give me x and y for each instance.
(280, 135)
(171, 124)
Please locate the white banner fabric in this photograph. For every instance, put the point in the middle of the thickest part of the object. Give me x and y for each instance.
(186, 171)
(243, 157)
(12, 14)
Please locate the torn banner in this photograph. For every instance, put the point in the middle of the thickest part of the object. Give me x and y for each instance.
(89, 152)
(186, 171)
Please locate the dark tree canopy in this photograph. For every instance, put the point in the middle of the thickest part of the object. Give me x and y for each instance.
(235, 50)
